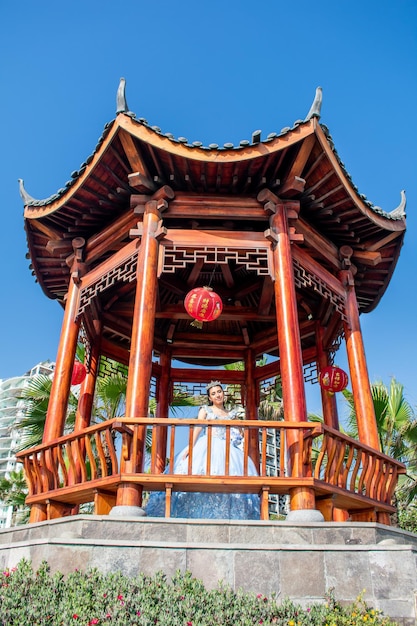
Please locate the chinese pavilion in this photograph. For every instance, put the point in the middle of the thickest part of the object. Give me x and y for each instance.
(280, 232)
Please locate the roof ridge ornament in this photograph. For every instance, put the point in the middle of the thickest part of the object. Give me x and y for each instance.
(315, 110)
(399, 212)
(121, 102)
(27, 198)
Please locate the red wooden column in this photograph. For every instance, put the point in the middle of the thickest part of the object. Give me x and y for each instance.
(61, 384)
(362, 397)
(251, 408)
(140, 363)
(85, 402)
(301, 499)
(331, 418)
(328, 401)
(58, 402)
(361, 389)
(159, 450)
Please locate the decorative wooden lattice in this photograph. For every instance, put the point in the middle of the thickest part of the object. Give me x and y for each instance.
(198, 392)
(177, 257)
(337, 341)
(305, 278)
(109, 367)
(268, 385)
(124, 272)
(310, 373)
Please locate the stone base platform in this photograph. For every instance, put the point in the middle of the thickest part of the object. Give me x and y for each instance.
(300, 561)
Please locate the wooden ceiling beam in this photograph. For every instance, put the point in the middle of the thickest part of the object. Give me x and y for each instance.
(321, 245)
(61, 247)
(292, 187)
(293, 183)
(229, 313)
(227, 275)
(195, 273)
(117, 326)
(121, 183)
(201, 337)
(330, 193)
(114, 351)
(267, 295)
(177, 210)
(174, 284)
(122, 291)
(367, 257)
(314, 164)
(198, 200)
(138, 181)
(249, 287)
(109, 238)
(179, 374)
(132, 153)
(120, 160)
(210, 351)
(336, 205)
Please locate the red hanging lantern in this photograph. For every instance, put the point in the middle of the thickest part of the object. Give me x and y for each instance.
(203, 304)
(79, 372)
(333, 379)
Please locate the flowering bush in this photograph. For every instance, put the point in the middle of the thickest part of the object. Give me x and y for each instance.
(86, 599)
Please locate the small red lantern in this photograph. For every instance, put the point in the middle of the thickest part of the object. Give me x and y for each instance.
(79, 372)
(332, 379)
(203, 304)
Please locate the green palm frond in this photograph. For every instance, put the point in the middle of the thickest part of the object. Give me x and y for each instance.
(270, 411)
(110, 397)
(35, 398)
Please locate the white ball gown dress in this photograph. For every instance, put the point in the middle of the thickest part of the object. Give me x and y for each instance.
(199, 505)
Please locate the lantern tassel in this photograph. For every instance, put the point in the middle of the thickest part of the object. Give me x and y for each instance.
(197, 324)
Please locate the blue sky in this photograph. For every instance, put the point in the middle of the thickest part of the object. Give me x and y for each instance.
(211, 71)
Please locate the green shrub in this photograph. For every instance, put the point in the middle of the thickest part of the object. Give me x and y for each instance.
(85, 599)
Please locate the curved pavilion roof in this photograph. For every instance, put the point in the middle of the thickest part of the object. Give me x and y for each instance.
(298, 163)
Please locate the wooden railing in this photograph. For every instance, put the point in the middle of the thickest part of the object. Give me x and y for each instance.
(354, 468)
(90, 465)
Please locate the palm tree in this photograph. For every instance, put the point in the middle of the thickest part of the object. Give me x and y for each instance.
(271, 407)
(397, 428)
(35, 399)
(13, 492)
(395, 419)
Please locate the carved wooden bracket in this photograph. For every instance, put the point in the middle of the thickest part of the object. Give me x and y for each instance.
(157, 230)
(78, 267)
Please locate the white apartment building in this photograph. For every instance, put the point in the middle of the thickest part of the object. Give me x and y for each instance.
(277, 505)
(11, 412)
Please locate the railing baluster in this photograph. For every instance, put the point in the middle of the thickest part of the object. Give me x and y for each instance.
(227, 452)
(101, 454)
(355, 470)
(112, 452)
(190, 450)
(320, 468)
(79, 474)
(282, 452)
(246, 432)
(62, 466)
(91, 458)
(209, 448)
(348, 464)
(263, 451)
(172, 450)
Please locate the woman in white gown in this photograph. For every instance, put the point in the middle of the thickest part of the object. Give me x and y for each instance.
(211, 505)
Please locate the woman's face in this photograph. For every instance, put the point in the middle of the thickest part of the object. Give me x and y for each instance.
(216, 394)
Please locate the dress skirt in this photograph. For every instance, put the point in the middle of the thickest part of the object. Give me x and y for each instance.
(198, 505)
